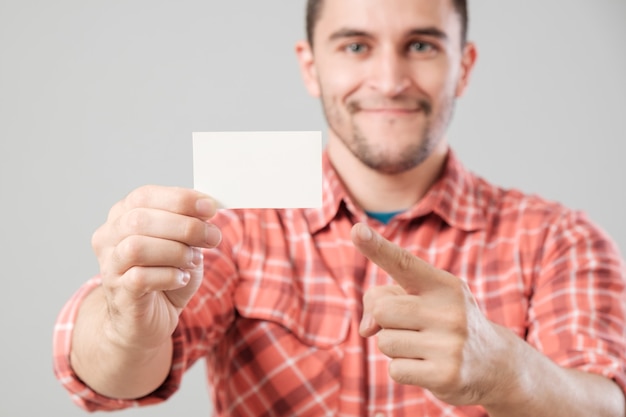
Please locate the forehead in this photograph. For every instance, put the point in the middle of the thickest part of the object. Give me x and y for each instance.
(384, 17)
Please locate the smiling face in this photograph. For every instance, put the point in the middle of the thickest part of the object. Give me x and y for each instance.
(388, 73)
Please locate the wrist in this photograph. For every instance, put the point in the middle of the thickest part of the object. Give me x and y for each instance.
(108, 365)
(513, 382)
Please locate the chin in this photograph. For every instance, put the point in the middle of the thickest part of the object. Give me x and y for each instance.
(391, 163)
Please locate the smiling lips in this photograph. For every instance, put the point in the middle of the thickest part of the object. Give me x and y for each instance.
(391, 110)
(403, 107)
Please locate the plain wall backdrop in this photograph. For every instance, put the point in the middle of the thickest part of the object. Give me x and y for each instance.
(99, 97)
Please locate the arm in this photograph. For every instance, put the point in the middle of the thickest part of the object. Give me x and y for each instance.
(109, 368)
(438, 339)
(542, 388)
(577, 317)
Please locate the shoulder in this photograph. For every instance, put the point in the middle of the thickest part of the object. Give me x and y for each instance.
(547, 223)
(514, 205)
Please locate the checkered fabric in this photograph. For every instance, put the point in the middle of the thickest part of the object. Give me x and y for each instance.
(278, 312)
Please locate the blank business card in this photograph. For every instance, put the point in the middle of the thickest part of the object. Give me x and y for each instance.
(259, 169)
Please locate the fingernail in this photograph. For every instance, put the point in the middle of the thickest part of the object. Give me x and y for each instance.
(197, 257)
(366, 322)
(213, 235)
(205, 207)
(185, 276)
(365, 233)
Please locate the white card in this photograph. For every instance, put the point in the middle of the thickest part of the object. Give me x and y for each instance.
(259, 169)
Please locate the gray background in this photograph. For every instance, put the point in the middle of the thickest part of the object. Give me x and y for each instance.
(98, 97)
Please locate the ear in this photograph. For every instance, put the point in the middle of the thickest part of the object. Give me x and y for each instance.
(304, 52)
(468, 61)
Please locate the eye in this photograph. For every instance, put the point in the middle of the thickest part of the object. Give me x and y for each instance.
(356, 48)
(421, 47)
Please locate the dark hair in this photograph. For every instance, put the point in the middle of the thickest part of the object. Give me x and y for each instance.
(314, 10)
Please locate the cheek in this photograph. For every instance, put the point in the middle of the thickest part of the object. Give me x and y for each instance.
(436, 78)
(338, 83)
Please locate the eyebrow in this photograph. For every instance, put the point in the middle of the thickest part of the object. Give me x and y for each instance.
(357, 33)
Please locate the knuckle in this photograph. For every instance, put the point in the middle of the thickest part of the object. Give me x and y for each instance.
(386, 344)
(97, 239)
(130, 250)
(400, 374)
(403, 260)
(370, 296)
(459, 326)
(109, 266)
(459, 286)
(189, 230)
(395, 371)
(136, 221)
(383, 308)
(377, 294)
(382, 342)
(116, 208)
(379, 312)
(140, 197)
(455, 320)
(135, 280)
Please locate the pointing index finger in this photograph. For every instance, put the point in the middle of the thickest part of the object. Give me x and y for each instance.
(410, 272)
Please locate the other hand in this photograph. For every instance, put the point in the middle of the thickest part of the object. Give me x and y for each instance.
(431, 327)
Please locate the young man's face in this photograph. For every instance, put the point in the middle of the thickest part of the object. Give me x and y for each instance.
(388, 73)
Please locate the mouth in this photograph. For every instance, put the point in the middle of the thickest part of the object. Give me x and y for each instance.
(390, 111)
(390, 108)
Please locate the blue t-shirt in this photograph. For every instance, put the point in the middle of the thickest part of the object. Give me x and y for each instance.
(383, 217)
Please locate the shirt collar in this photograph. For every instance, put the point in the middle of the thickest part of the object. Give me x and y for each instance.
(455, 198)
(334, 195)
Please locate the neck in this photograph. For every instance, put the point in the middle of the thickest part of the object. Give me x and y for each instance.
(379, 192)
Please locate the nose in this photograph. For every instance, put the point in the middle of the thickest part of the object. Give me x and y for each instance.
(389, 73)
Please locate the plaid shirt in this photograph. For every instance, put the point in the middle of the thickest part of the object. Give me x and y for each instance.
(278, 313)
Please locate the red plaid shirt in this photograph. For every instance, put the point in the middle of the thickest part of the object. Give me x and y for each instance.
(278, 313)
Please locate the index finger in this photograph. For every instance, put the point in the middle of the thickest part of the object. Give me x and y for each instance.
(178, 200)
(410, 272)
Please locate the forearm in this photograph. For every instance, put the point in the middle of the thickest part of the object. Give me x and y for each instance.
(542, 388)
(108, 369)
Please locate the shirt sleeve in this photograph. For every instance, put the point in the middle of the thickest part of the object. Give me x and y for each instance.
(205, 318)
(577, 315)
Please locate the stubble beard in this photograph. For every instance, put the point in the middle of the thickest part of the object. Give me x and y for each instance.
(413, 154)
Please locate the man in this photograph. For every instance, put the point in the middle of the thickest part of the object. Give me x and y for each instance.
(417, 289)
